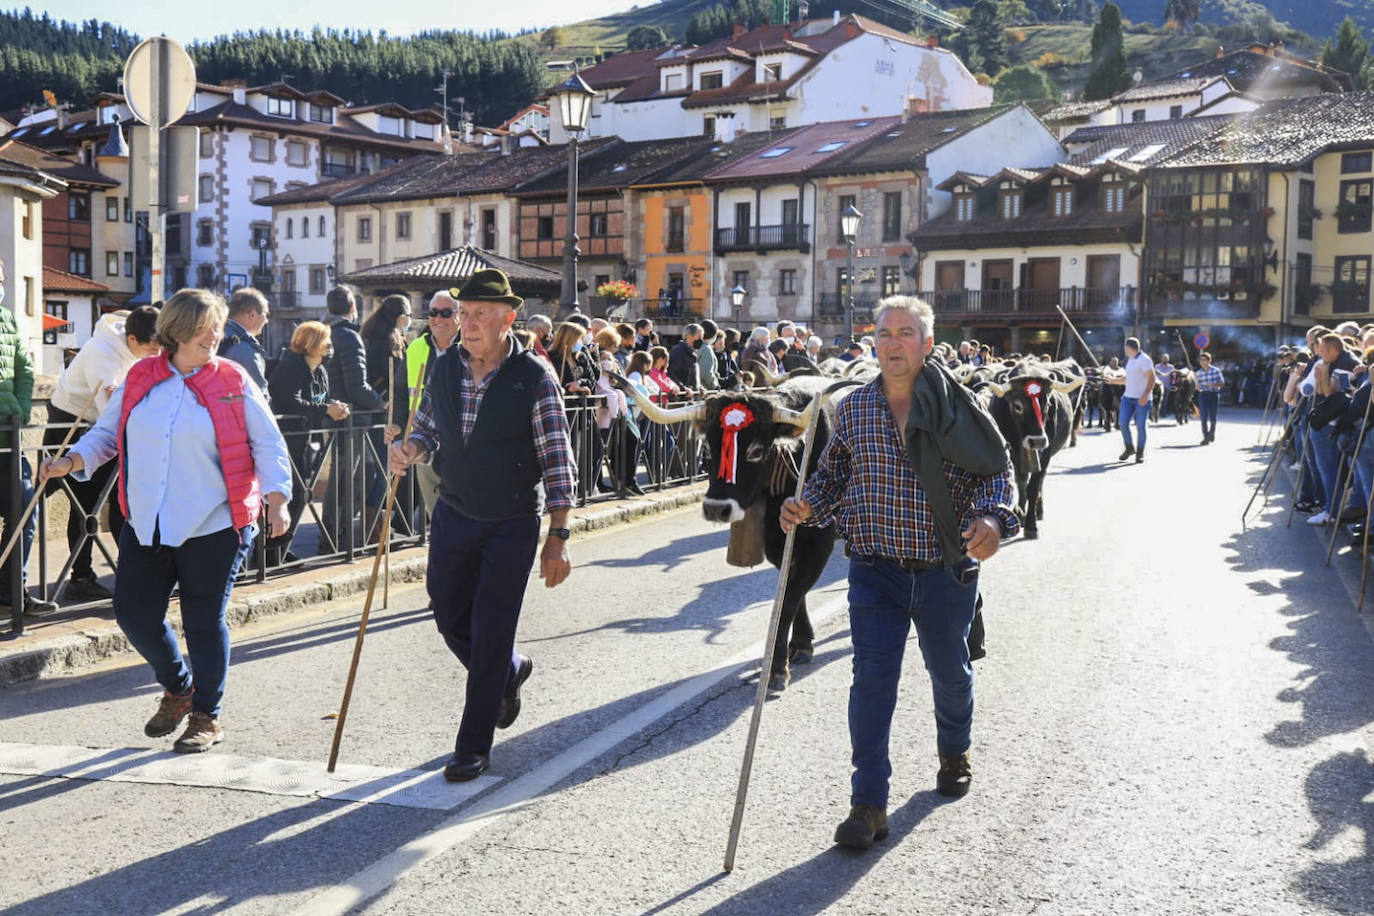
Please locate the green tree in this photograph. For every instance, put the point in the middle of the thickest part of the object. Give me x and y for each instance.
(645, 38)
(1349, 53)
(1184, 12)
(1014, 12)
(1023, 83)
(1109, 73)
(552, 37)
(982, 40)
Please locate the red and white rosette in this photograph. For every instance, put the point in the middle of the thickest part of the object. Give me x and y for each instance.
(732, 419)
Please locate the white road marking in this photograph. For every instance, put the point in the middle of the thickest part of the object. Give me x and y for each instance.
(266, 775)
(515, 795)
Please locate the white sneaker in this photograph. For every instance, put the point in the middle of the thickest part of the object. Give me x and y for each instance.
(1295, 465)
(1321, 518)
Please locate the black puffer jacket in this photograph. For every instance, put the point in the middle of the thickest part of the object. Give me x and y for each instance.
(347, 368)
(298, 391)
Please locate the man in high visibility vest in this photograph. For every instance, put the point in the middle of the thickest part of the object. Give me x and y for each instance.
(438, 336)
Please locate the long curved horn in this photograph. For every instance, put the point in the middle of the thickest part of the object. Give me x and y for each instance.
(801, 420)
(1068, 387)
(768, 375)
(996, 389)
(665, 415)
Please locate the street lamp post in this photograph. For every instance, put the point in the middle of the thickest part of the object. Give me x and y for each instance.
(574, 104)
(737, 299)
(849, 226)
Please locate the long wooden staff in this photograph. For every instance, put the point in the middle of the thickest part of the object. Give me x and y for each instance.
(1349, 484)
(367, 610)
(761, 695)
(38, 489)
(1063, 314)
(386, 522)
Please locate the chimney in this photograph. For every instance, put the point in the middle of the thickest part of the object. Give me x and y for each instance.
(836, 20)
(725, 127)
(738, 30)
(932, 40)
(1221, 52)
(787, 34)
(917, 106)
(240, 87)
(507, 143)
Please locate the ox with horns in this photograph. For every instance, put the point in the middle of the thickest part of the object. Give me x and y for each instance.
(754, 443)
(1034, 413)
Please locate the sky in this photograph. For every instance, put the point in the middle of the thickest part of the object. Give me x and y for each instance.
(185, 21)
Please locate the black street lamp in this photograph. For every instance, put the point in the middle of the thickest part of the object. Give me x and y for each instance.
(574, 104)
(849, 227)
(737, 299)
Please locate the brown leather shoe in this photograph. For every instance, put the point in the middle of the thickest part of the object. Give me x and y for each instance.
(171, 709)
(865, 824)
(202, 733)
(955, 776)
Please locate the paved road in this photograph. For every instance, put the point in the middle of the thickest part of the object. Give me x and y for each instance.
(1175, 717)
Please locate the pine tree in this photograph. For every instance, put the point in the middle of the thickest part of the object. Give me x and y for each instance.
(984, 33)
(1349, 53)
(1109, 74)
(1184, 12)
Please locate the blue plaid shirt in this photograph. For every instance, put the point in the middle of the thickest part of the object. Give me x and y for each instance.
(1209, 379)
(865, 485)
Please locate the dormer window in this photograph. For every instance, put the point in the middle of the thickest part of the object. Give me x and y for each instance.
(713, 80)
(1063, 200)
(1011, 203)
(963, 206)
(772, 73)
(281, 108)
(672, 82)
(1113, 196)
(321, 114)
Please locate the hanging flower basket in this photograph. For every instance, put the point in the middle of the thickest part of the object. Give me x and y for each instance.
(617, 289)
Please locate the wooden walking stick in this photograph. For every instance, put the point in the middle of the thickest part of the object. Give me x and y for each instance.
(38, 485)
(761, 694)
(1303, 466)
(1065, 316)
(386, 522)
(367, 610)
(1266, 480)
(1349, 483)
(1364, 558)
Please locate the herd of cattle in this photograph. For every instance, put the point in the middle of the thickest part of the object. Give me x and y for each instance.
(754, 437)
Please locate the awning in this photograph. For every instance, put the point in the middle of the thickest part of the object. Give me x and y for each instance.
(52, 321)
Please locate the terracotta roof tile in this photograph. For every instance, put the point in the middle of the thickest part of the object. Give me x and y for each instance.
(905, 145)
(60, 280)
(453, 268)
(803, 149)
(1165, 89)
(1287, 132)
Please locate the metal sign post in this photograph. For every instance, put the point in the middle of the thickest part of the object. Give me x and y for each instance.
(159, 85)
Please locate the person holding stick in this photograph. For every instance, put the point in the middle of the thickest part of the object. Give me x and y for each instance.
(906, 564)
(205, 417)
(491, 420)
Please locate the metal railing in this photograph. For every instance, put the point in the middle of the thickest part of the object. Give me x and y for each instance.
(339, 468)
(832, 305)
(1032, 302)
(763, 238)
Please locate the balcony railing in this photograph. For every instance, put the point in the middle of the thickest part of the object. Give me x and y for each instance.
(336, 170)
(764, 238)
(1033, 302)
(665, 309)
(832, 305)
(289, 300)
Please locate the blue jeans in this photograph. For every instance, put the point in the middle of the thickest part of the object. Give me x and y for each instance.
(884, 600)
(1310, 490)
(10, 513)
(1207, 404)
(1364, 470)
(1327, 458)
(1133, 410)
(204, 568)
(1359, 494)
(476, 578)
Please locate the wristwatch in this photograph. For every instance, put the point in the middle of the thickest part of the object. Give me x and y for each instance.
(563, 533)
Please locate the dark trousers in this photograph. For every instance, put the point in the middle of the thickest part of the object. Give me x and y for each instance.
(10, 513)
(1207, 404)
(476, 581)
(302, 466)
(85, 496)
(204, 568)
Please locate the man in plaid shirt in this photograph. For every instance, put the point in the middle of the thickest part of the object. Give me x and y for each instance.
(491, 419)
(897, 575)
(1209, 384)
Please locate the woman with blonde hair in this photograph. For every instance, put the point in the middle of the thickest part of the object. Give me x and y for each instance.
(208, 454)
(618, 434)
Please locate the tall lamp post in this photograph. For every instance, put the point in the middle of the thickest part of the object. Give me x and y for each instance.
(849, 227)
(574, 104)
(737, 299)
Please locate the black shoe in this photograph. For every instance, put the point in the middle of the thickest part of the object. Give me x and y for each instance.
(955, 775)
(635, 488)
(510, 703)
(1130, 450)
(33, 607)
(466, 767)
(1139, 457)
(86, 588)
(1204, 441)
(865, 824)
(1306, 508)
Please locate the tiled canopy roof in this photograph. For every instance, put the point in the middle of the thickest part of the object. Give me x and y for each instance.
(453, 268)
(1165, 89)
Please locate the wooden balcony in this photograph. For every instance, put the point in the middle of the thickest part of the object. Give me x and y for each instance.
(1033, 303)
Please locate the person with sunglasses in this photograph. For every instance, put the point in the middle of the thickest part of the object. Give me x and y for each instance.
(441, 330)
(491, 418)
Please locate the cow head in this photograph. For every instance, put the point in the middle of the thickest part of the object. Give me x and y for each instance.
(1026, 394)
(742, 433)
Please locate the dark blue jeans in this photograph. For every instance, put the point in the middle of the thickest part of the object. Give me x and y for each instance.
(884, 601)
(476, 579)
(203, 569)
(10, 513)
(1131, 410)
(1207, 404)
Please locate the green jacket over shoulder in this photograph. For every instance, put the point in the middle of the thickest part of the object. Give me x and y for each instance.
(16, 375)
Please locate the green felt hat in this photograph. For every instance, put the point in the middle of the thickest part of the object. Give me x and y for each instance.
(488, 285)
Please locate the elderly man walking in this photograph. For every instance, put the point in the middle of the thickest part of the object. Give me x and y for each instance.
(910, 535)
(491, 420)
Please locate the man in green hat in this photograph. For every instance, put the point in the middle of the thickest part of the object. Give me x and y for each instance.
(491, 421)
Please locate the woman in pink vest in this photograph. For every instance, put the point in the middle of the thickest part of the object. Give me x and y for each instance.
(198, 453)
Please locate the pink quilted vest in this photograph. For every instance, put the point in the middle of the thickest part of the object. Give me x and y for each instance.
(219, 387)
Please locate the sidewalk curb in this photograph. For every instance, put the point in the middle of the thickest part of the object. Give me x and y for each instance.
(68, 652)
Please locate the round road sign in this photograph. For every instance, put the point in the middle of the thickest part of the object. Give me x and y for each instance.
(159, 81)
(1201, 340)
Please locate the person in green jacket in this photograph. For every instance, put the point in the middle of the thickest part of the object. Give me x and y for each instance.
(440, 333)
(16, 400)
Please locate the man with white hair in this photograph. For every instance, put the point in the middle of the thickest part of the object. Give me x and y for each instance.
(912, 521)
(755, 358)
(541, 326)
(813, 349)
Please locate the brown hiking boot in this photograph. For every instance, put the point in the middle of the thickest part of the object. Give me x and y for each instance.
(202, 733)
(865, 824)
(171, 709)
(955, 776)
